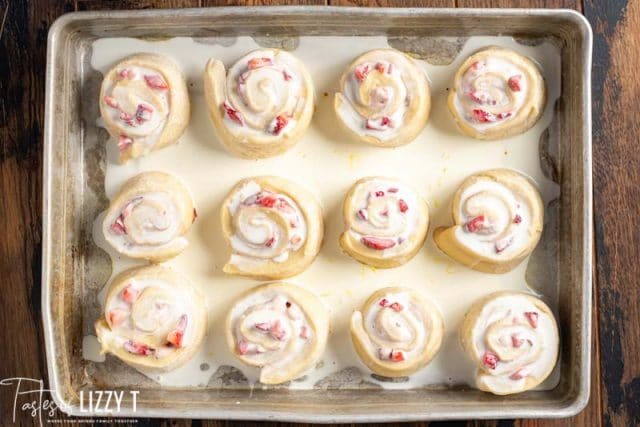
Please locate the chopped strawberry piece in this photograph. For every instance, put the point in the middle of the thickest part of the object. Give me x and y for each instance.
(304, 332)
(402, 205)
(490, 359)
(130, 294)
(483, 116)
(517, 219)
(262, 326)
(232, 113)
(138, 348)
(117, 316)
(381, 124)
(361, 72)
(380, 67)
(266, 200)
(397, 356)
(503, 244)
(175, 338)
(118, 227)
(475, 98)
(126, 73)
(377, 243)
(243, 347)
(295, 240)
(532, 317)
(258, 63)
(475, 224)
(156, 81)
(111, 101)
(126, 117)
(385, 212)
(476, 66)
(396, 306)
(514, 83)
(362, 214)
(270, 242)
(501, 116)
(279, 124)
(519, 374)
(379, 193)
(287, 77)
(384, 302)
(283, 205)
(515, 341)
(143, 113)
(393, 190)
(276, 331)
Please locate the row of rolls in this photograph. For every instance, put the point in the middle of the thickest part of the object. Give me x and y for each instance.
(262, 105)
(155, 319)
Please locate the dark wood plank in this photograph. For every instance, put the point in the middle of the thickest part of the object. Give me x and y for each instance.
(263, 2)
(616, 175)
(568, 4)
(134, 4)
(394, 3)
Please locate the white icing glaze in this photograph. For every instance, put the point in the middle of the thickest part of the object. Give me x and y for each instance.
(148, 313)
(149, 221)
(264, 93)
(271, 329)
(496, 221)
(379, 213)
(504, 329)
(137, 102)
(485, 95)
(375, 95)
(395, 328)
(267, 226)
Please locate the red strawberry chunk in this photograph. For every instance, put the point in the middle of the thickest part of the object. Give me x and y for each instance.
(380, 67)
(138, 348)
(502, 116)
(276, 331)
(243, 347)
(515, 341)
(130, 294)
(379, 193)
(475, 98)
(111, 101)
(304, 332)
(362, 214)
(384, 302)
(397, 307)
(266, 200)
(397, 356)
(361, 72)
(262, 326)
(175, 338)
(490, 359)
(259, 63)
(477, 66)
(232, 113)
(156, 81)
(377, 243)
(381, 124)
(503, 244)
(532, 317)
(393, 190)
(482, 116)
(514, 83)
(270, 242)
(475, 224)
(280, 123)
(143, 113)
(402, 205)
(117, 316)
(519, 374)
(118, 227)
(517, 219)
(287, 77)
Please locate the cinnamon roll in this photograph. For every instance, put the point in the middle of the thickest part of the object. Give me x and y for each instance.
(150, 217)
(397, 332)
(144, 104)
(385, 222)
(498, 217)
(384, 98)
(280, 328)
(262, 105)
(153, 319)
(497, 93)
(513, 339)
(274, 227)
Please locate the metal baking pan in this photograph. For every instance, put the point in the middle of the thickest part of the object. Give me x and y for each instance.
(72, 190)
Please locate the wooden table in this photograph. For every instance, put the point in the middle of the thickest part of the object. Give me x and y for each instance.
(615, 391)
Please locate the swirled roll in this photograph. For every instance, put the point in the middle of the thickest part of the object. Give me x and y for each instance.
(153, 318)
(397, 332)
(150, 217)
(262, 105)
(384, 98)
(385, 222)
(498, 216)
(144, 104)
(274, 227)
(497, 93)
(513, 339)
(280, 328)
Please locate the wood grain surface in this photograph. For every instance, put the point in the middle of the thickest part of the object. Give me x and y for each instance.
(615, 393)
